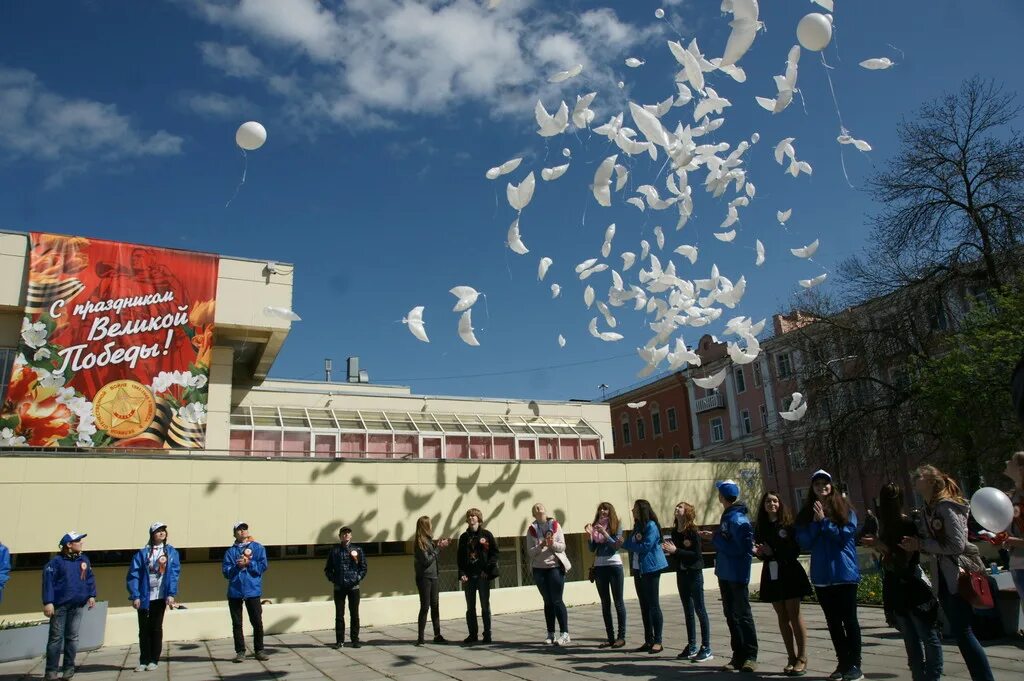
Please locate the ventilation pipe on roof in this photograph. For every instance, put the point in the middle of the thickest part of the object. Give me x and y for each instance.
(355, 374)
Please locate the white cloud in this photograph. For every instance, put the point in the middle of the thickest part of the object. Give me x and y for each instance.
(43, 125)
(366, 62)
(216, 105)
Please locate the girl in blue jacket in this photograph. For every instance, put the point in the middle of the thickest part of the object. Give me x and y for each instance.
(152, 583)
(647, 560)
(827, 527)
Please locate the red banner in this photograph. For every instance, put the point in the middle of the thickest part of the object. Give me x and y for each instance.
(115, 347)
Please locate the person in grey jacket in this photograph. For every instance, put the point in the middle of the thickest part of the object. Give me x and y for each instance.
(545, 544)
(945, 532)
(426, 552)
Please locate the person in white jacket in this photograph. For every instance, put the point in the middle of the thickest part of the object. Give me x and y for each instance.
(545, 544)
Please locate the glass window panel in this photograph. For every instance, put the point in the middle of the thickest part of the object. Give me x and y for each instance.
(480, 448)
(406, 446)
(265, 416)
(266, 442)
(590, 449)
(241, 442)
(583, 429)
(496, 424)
(449, 423)
(378, 446)
(425, 422)
(240, 416)
(325, 445)
(400, 421)
(473, 424)
(296, 443)
(353, 444)
(374, 420)
(456, 448)
(294, 418)
(504, 448)
(321, 418)
(431, 448)
(349, 420)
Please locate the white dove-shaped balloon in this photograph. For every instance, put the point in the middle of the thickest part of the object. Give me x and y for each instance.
(633, 62)
(806, 251)
(503, 169)
(542, 267)
(712, 381)
(281, 313)
(514, 239)
(549, 174)
(811, 283)
(467, 296)
(561, 341)
(551, 125)
(744, 26)
(519, 196)
(555, 291)
(783, 215)
(877, 64)
(602, 187)
(797, 408)
(414, 320)
(567, 74)
(637, 405)
(466, 328)
(759, 247)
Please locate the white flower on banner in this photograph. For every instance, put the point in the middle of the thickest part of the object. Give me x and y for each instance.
(8, 438)
(196, 381)
(194, 412)
(33, 334)
(45, 379)
(41, 354)
(164, 380)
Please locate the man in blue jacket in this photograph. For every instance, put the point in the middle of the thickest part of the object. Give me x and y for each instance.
(346, 568)
(245, 561)
(5, 568)
(69, 586)
(734, 541)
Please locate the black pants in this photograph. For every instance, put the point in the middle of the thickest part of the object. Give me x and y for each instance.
(609, 580)
(151, 631)
(255, 610)
(352, 594)
(647, 594)
(479, 584)
(839, 603)
(736, 606)
(429, 594)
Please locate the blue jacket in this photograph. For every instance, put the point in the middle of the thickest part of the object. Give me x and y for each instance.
(245, 582)
(605, 549)
(137, 580)
(645, 542)
(833, 550)
(344, 571)
(734, 541)
(68, 581)
(5, 569)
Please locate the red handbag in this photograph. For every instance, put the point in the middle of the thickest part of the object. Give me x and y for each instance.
(973, 587)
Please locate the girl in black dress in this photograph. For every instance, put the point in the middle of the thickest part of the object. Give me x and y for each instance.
(784, 582)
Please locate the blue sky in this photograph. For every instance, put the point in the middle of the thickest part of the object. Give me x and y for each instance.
(117, 121)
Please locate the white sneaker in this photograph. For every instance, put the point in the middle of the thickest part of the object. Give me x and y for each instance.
(550, 639)
(563, 639)
(151, 667)
(141, 668)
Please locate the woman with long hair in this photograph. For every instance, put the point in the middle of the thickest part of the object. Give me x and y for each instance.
(425, 555)
(784, 582)
(647, 560)
(152, 583)
(545, 545)
(945, 537)
(827, 527)
(906, 594)
(685, 553)
(604, 535)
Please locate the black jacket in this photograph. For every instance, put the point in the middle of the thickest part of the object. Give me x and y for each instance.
(781, 539)
(478, 554)
(344, 570)
(689, 551)
(425, 561)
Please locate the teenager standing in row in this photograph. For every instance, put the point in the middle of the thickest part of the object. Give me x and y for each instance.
(478, 565)
(243, 566)
(152, 583)
(685, 555)
(647, 560)
(603, 538)
(426, 552)
(545, 545)
(69, 587)
(346, 569)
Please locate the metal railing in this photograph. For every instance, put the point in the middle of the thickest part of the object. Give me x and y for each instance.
(716, 401)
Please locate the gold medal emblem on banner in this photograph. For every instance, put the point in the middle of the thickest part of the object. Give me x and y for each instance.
(124, 408)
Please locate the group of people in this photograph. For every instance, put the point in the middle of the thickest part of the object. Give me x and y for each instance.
(825, 527)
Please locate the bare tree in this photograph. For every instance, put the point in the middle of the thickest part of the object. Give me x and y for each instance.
(952, 195)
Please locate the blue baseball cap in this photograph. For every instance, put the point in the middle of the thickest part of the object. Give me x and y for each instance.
(72, 536)
(728, 488)
(821, 474)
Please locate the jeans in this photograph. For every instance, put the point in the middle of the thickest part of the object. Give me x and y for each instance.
(255, 610)
(151, 631)
(1018, 581)
(63, 637)
(352, 594)
(610, 581)
(958, 612)
(924, 647)
(839, 603)
(478, 584)
(429, 594)
(690, 584)
(551, 584)
(647, 588)
(736, 606)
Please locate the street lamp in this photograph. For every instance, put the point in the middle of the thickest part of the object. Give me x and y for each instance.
(604, 391)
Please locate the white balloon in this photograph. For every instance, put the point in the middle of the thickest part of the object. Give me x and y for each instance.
(814, 32)
(659, 13)
(251, 136)
(992, 509)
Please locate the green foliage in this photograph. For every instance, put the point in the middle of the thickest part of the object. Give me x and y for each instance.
(869, 590)
(965, 392)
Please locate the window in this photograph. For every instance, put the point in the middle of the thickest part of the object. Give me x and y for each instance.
(673, 425)
(640, 434)
(661, 452)
(656, 424)
(676, 453)
(756, 368)
(717, 429)
(708, 392)
(626, 440)
(747, 426)
(797, 460)
(769, 461)
(741, 381)
(6, 364)
(784, 364)
(764, 416)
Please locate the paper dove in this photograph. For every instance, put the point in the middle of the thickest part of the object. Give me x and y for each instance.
(807, 251)
(466, 328)
(467, 296)
(414, 320)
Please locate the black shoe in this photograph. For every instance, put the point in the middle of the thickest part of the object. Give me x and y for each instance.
(261, 656)
(355, 644)
(336, 645)
(470, 640)
(239, 657)
(486, 638)
(420, 641)
(642, 649)
(438, 638)
(837, 674)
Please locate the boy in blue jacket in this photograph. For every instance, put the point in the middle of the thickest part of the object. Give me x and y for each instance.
(346, 568)
(245, 561)
(5, 568)
(734, 541)
(69, 586)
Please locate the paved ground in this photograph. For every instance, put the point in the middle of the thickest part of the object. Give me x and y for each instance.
(518, 654)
